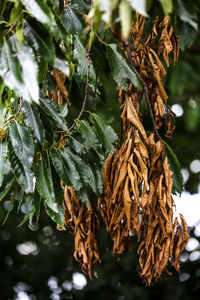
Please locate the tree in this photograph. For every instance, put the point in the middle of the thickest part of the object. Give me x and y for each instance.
(62, 74)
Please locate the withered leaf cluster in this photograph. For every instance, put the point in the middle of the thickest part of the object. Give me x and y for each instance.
(84, 225)
(60, 91)
(137, 177)
(137, 198)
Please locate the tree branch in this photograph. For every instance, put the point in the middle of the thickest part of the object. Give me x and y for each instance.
(146, 90)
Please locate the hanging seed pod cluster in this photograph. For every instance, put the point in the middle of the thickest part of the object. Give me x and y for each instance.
(137, 198)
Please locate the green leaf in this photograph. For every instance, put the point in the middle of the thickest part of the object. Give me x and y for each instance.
(24, 176)
(40, 10)
(40, 39)
(32, 119)
(139, 6)
(18, 69)
(10, 206)
(22, 142)
(2, 6)
(125, 16)
(42, 71)
(176, 168)
(9, 181)
(120, 68)
(185, 16)
(3, 154)
(45, 186)
(105, 132)
(53, 111)
(56, 217)
(28, 216)
(65, 168)
(73, 20)
(80, 55)
(88, 134)
(167, 6)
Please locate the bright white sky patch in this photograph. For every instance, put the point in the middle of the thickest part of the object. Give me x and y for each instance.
(177, 109)
(79, 281)
(189, 206)
(195, 166)
(27, 248)
(192, 244)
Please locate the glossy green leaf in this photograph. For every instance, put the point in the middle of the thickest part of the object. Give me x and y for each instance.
(176, 168)
(56, 217)
(88, 134)
(3, 154)
(32, 119)
(19, 70)
(44, 185)
(24, 176)
(52, 111)
(40, 39)
(73, 19)
(105, 132)
(120, 69)
(22, 142)
(40, 10)
(66, 168)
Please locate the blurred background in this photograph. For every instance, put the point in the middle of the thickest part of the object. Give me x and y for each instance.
(36, 262)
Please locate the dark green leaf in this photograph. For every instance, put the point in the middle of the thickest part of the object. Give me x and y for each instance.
(88, 134)
(33, 121)
(28, 216)
(3, 153)
(22, 142)
(120, 69)
(105, 132)
(45, 186)
(53, 111)
(24, 176)
(82, 60)
(9, 181)
(40, 39)
(176, 168)
(66, 168)
(56, 217)
(73, 20)
(185, 16)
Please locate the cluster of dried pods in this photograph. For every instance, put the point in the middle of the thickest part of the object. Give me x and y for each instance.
(137, 179)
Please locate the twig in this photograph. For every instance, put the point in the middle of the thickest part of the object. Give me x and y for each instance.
(9, 30)
(146, 90)
(87, 81)
(100, 40)
(86, 90)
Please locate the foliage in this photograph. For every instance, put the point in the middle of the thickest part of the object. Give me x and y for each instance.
(50, 52)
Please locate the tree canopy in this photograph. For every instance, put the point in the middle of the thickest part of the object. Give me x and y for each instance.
(86, 123)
